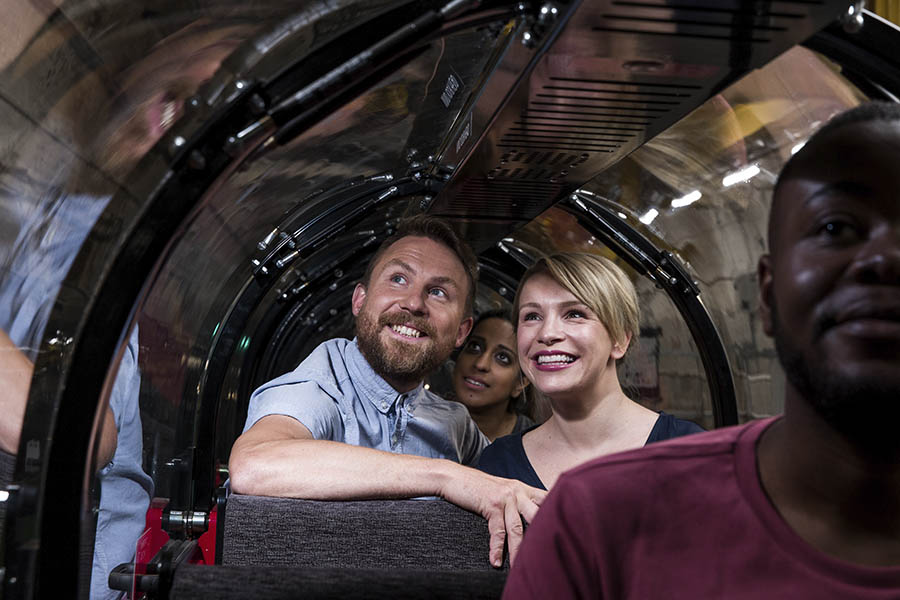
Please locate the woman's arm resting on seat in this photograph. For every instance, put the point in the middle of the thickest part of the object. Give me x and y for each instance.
(278, 456)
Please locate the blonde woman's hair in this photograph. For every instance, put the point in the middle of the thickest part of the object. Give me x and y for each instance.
(598, 283)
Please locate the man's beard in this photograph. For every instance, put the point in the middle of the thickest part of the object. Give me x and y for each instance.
(863, 409)
(395, 360)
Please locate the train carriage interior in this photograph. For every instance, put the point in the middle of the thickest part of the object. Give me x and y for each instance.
(232, 166)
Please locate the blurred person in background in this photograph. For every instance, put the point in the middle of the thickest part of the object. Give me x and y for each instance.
(54, 185)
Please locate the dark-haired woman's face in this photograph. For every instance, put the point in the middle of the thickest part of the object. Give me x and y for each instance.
(487, 369)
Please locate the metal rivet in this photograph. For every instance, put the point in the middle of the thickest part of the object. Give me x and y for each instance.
(257, 104)
(177, 144)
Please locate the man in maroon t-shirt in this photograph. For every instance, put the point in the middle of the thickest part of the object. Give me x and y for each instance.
(806, 505)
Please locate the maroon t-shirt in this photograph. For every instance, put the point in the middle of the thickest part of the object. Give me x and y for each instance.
(685, 519)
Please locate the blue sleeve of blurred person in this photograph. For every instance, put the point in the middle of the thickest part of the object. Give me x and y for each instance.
(125, 489)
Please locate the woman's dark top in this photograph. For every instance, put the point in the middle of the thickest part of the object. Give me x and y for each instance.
(506, 456)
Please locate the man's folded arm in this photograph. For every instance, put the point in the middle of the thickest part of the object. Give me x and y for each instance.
(278, 456)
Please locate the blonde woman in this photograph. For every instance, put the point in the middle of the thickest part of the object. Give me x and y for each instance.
(575, 316)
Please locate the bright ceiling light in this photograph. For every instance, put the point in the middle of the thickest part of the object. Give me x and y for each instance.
(687, 199)
(742, 175)
(648, 216)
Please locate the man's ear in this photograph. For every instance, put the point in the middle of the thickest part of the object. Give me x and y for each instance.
(359, 297)
(766, 303)
(463, 332)
(620, 348)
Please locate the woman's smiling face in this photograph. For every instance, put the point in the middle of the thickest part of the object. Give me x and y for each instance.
(487, 370)
(564, 348)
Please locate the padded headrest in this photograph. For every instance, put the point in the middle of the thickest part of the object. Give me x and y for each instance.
(373, 534)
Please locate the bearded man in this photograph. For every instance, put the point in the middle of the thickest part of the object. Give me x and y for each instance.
(354, 421)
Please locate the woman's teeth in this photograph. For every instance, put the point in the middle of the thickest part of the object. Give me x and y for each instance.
(554, 359)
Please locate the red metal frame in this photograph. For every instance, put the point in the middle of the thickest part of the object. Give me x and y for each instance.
(155, 537)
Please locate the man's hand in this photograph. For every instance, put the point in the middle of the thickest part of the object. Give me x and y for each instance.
(498, 500)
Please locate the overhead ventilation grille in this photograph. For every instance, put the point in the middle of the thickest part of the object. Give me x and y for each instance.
(715, 21)
(620, 73)
(480, 197)
(583, 116)
(567, 123)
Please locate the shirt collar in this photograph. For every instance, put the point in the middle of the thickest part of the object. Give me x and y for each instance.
(371, 386)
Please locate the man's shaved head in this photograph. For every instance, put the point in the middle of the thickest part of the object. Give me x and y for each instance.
(864, 113)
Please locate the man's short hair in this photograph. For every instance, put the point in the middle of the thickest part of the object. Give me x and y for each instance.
(438, 231)
(870, 111)
(598, 283)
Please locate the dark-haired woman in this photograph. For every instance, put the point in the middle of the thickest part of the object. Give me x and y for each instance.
(487, 378)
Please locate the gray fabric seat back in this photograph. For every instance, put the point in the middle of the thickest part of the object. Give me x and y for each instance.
(372, 534)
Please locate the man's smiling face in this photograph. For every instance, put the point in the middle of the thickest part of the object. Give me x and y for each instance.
(411, 314)
(830, 288)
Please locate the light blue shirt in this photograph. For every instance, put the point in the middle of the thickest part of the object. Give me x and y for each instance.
(337, 396)
(125, 488)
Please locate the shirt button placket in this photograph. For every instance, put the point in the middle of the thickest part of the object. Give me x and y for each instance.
(398, 424)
